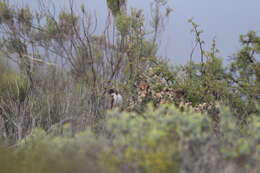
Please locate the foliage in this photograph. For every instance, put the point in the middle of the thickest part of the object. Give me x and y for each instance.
(12, 85)
(68, 23)
(197, 118)
(25, 17)
(123, 24)
(5, 12)
(68, 66)
(116, 6)
(244, 72)
(51, 27)
(159, 140)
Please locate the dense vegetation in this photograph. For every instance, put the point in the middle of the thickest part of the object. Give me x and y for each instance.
(54, 106)
(159, 140)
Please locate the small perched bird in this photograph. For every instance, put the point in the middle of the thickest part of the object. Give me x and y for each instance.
(117, 99)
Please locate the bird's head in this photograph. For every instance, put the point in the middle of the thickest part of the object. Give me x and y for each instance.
(112, 91)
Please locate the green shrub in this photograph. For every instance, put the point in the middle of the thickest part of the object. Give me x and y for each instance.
(5, 12)
(12, 85)
(148, 143)
(159, 140)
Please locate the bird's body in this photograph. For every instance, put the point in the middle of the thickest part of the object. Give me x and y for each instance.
(117, 99)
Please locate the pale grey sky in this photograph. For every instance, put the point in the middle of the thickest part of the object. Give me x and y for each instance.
(223, 19)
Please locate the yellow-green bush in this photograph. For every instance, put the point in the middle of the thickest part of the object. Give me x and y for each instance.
(148, 143)
(156, 141)
(5, 12)
(12, 85)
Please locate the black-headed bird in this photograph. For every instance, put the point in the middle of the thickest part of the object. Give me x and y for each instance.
(117, 99)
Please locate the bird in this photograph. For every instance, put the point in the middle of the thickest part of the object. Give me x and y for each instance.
(117, 99)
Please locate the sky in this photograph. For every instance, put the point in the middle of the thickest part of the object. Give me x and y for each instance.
(224, 20)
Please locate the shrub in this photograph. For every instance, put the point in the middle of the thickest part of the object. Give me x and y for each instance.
(12, 85)
(159, 140)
